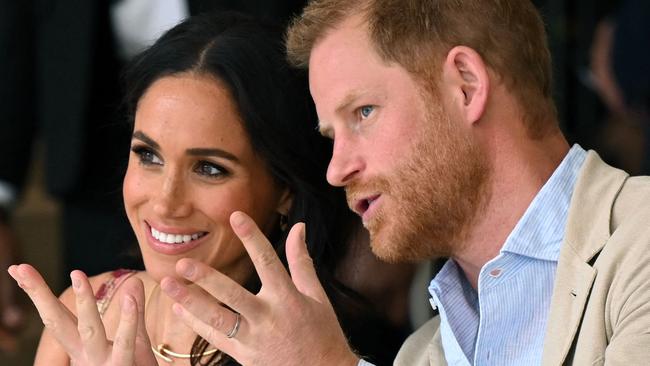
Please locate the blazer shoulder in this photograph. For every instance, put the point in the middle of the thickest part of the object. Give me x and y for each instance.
(633, 198)
(423, 347)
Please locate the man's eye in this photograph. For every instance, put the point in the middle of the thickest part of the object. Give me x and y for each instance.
(209, 170)
(365, 111)
(146, 156)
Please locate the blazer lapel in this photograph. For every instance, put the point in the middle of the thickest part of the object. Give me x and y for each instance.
(572, 286)
(435, 351)
(587, 231)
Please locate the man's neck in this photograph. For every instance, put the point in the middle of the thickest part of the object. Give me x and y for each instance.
(519, 170)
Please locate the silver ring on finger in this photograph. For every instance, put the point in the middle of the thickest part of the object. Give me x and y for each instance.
(235, 328)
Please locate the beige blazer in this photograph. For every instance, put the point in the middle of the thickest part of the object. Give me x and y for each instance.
(600, 309)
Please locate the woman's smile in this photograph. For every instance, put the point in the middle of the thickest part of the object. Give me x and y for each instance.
(174, 241)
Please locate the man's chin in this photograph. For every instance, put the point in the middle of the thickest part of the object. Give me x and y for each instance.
(390, 251)
(392, 247)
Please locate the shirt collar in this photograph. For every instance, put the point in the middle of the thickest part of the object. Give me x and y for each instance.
(540, 231)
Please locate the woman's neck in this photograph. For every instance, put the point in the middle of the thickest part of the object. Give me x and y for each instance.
(163, 326)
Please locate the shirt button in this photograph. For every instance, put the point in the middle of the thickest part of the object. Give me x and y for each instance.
(496, 272)
(434, 306)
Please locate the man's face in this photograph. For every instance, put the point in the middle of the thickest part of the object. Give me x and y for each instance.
(409, 165)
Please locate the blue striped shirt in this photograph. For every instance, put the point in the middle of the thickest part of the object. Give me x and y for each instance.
(504, 322)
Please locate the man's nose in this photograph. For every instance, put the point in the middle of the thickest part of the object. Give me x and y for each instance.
(346, 162)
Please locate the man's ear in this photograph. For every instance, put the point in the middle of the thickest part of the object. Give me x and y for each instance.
(465, 75)
(286, 200)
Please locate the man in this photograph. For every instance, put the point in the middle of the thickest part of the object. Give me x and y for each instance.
(446, 141)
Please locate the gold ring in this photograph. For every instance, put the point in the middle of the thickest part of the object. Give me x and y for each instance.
(235, 329)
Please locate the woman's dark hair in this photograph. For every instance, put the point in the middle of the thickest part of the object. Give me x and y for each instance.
(248, 58)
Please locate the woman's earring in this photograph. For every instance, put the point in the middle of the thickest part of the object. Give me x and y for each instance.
(284, 222)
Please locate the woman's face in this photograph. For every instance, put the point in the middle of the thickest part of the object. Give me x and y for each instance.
(191, 166)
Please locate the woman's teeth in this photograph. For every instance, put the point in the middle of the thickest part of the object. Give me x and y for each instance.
(174, 238)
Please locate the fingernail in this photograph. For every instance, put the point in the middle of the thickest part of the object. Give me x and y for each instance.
(128, 304)
(237, 218)
(189, 270)
(75, 282)
(303, 232)
(177, 309)
(170, 287)
(14, 272)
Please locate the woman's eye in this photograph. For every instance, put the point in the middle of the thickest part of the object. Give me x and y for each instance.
(209, 170)
(365, 111)
(147, 156)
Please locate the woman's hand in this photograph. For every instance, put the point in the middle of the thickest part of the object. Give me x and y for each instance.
(289, 322)
(83, 337)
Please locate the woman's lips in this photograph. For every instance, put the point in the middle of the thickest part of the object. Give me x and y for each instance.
(173, 242)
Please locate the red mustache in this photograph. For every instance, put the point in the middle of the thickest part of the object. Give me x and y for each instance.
(357, 191)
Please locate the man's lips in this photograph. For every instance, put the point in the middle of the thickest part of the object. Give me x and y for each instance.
(361, 206)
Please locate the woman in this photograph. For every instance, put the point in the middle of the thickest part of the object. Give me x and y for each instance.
(220, 124)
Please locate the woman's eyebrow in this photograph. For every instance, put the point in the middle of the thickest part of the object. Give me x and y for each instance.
(146, 139)
(197, 151)
(212, 152)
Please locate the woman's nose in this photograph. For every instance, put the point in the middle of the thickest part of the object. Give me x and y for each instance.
(172, 199)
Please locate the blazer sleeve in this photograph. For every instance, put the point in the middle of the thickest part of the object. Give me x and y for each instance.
(628, 303)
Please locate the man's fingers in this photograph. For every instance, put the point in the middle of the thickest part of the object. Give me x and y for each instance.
(56, 317)
(265, 259)
(221, 287)
(301, 266)
(124, 342)
(89, 324)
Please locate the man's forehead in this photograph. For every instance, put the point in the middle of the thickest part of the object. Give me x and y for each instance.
(340, 54)
(350, 32)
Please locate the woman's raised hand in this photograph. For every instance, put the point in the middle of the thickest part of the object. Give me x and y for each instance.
(83, 337)
(289, 322)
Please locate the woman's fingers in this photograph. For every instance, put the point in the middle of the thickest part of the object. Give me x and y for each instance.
(85, 339)
(124, 342)
(216, 337)
(133, 287)
(56, 317)
(221, 287)
(265, 259)
(301, 266)
(202, 305)
(296, 311)
(89, 324)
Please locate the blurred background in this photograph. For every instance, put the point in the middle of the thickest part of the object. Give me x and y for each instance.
(63, 139)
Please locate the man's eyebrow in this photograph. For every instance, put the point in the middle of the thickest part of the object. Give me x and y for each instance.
(212, 152)
(349, 98)
(325, 129)
(146, 139)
